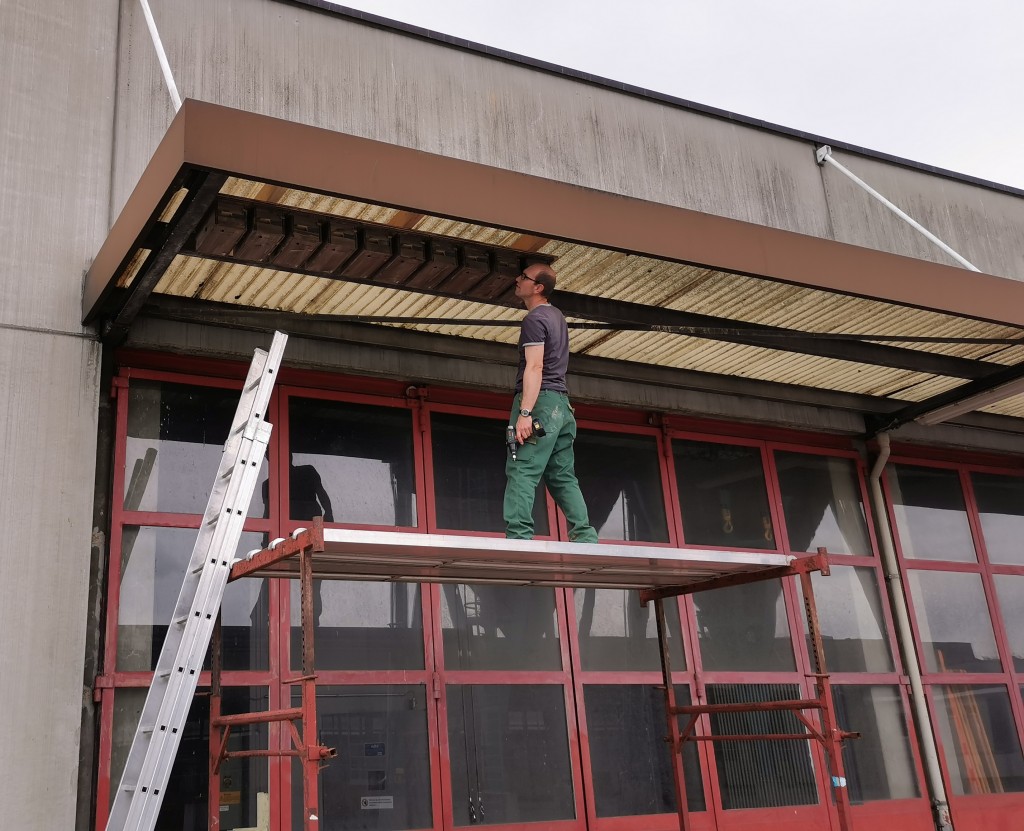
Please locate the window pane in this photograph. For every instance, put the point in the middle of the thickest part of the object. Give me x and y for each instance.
(243, 782)
(956, 633)
(617, 633)
(878, 765)
(1001, 506)
(980, 739)
(381, 777)
(744, 628)
(175, 437)
(509, 753)
(722, 495)
(1010, 590)
(353, 463)
(620, 476)
(742, 766)
(630, 761)
(821, 500)
(153, 566)
(469, 475)
(928, 504)
(361, 625)
(499, 627)
(851, 622)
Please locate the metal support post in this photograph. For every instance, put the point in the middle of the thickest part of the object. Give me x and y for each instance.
(832, 736)
(311, 760)
(673, 737)
(827, 733)
(216, 739)
(305, 746)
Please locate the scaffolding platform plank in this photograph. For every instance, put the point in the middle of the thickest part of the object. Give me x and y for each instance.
(444, 558)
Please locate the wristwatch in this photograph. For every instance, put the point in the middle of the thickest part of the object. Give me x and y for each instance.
(525, 413)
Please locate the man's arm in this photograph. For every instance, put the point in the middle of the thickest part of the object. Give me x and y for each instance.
(532, 376)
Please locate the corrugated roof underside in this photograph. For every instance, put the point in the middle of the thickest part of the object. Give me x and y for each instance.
(647, 281)
(269, 289)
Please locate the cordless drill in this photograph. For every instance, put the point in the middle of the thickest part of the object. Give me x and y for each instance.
(513, 443)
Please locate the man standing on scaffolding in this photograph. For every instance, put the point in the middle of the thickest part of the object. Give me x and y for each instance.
(542, 397)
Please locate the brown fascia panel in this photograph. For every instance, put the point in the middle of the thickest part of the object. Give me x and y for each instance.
(286, 153)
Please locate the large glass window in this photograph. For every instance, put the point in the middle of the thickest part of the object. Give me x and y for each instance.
(350, 463)
(931, 518)
(153, 566)
(616, 633)
(879, 764)
(499, 627)
(380, 779)
(821, 500)
(953, 619)
(469, 475)
(722, 495)
(1010, 589)
(850, 618)
(631, 764)
(176, 433)
(1001, 508)
(620, 476)
(742, 765)
(509, 751)
(244, 783)
(979, 736)
(744, 628)
(361, 625)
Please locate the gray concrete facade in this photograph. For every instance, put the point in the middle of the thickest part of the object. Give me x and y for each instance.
(57, 67)
(83, 105)
(313, 67)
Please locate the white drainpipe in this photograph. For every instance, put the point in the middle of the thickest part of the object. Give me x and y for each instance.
(905, 638)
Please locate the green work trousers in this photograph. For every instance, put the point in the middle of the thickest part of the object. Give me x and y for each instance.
(550, 457)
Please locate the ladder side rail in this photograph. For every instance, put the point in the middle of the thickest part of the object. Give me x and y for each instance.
(184, 676)
(674, 737)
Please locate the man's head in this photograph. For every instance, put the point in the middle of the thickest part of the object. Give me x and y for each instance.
(535, 284)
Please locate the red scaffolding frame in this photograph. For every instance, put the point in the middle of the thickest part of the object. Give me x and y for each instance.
(826, 732)
(302, 720)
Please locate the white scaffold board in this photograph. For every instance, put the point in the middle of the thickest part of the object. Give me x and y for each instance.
(445, 558)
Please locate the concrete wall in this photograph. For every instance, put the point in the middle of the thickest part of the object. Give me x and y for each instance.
(57, 68)
(317, 68)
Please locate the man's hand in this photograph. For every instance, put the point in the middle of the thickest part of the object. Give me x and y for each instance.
(524, 428)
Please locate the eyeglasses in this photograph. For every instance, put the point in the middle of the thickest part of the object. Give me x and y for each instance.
(524, 276)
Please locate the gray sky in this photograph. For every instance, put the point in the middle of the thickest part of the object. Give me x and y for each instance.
(935, 81)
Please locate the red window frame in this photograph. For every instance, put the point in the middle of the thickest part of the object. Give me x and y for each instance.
(981, 812)
(309, 384)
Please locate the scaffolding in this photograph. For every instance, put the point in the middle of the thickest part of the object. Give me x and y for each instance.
(659, 573)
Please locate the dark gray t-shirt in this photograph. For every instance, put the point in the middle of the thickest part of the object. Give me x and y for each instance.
(546, 325)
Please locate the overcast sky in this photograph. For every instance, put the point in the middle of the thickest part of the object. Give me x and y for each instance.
(934, 81)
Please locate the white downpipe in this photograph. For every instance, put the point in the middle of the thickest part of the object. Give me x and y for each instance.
(161, 55)
(824, 156)
(905, 637)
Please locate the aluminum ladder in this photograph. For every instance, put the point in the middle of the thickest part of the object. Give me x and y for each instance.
(148, 767)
